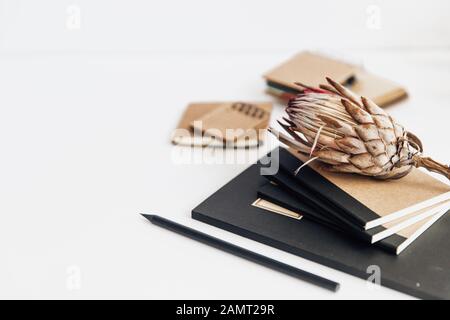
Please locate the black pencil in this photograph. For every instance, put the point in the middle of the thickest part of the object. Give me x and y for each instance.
(241, 252)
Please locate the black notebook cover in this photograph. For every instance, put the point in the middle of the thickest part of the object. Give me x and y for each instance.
(353, 209)
(420, 185)
(422, 270)
(276, 195)
(290, 184)
(289, 200)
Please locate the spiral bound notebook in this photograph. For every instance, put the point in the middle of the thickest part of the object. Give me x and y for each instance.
(421, 270)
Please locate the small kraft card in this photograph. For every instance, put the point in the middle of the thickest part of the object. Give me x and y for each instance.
(218, 124)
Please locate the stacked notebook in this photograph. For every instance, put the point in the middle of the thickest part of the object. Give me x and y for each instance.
(344, 221)
(391, 214)
(311, 68)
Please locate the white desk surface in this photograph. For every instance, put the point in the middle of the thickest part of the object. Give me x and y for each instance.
(85, 149)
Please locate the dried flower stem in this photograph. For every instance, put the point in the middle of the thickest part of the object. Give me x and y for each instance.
(431, 165)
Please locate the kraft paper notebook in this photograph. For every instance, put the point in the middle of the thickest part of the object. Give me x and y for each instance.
(421, 270)
(367, 202)
(293, 206)
(211, 115)
(312, 68)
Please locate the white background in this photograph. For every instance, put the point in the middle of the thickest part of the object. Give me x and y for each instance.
(90, 92)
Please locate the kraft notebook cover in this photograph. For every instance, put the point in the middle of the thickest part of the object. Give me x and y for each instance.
(312, 68)
(231, 122)
(184, 133)
(287, 181)
(395, 243)
(368, 202)
(383, 91)
(422, 270)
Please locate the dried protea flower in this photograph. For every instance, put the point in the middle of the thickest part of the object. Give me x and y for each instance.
(352, 134)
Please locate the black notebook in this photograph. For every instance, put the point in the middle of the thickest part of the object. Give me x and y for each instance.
(366, 202)
(395, 236)
(421, 271)
(395, 243)
(289, 200)
(276, 195)
(324, 208)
